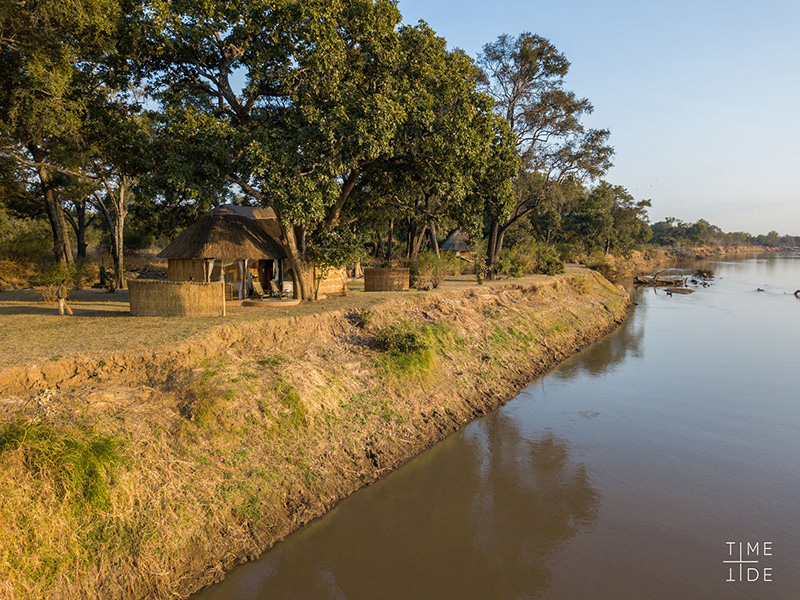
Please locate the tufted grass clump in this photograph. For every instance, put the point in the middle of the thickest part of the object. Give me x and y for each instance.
(80, 463)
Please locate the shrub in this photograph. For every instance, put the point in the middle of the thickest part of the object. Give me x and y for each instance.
(429, 270)
(24, 239)
(548, 261)
(400, 340)
(518, 260)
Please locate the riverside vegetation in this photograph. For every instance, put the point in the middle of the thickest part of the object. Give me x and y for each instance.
(152, 481)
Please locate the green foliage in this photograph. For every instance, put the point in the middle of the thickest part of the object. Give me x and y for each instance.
(80, 463)
(400, 339)
(519, 259)
(333, 248)
(525, 77)
(606, 219)
(430, 270)
(677, 234)
(548, 261)
(76, 274)
(24, 238)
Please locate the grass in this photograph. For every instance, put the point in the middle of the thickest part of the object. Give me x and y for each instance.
(80, 463)
(32, 328)
(209, 469)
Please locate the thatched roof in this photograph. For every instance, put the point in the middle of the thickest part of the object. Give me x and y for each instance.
(227, 237)
(252, 212)
(457, 241)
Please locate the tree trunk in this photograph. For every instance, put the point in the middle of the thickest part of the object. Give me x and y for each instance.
(80, 230)
(416, 242)
(79, 225)
(390, 242)
(302, 269)
(118, 251)
(499, 244)
(434, 241)
(491, 246)
(410, 238)
(62, 249)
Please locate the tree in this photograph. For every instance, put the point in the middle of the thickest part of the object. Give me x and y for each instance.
(318, 104)
(50, 53)
(607, 218)
(334, 92)
(525, 76)
(452, 154)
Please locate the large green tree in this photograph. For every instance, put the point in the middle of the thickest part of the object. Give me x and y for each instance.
(289, 101)
(605, 219)
(51, 52)
(525, 76)
(452, 154)
(298, 104)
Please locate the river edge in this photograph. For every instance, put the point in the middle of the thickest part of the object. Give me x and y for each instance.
(324, 413)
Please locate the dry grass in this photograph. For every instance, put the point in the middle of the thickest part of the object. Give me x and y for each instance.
(229, 456)
(32, 330)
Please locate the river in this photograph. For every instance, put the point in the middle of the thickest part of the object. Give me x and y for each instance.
(651, 465)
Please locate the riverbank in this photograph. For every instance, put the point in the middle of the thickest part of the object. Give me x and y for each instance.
(152, 478)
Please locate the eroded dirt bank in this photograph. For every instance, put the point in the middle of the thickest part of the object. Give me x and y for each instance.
(218, 451)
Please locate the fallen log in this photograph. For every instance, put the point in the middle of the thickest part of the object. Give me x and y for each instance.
(659, 281)
(676, 290)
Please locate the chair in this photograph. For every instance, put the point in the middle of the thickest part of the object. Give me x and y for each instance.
(228, 292)
(277, 293)
(258, 289)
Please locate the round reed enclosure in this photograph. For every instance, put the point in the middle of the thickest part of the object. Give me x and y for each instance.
(154, 298)
(386, 280)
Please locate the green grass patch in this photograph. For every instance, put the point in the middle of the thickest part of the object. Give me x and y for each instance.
(272, 361)
(295, 415)
(81, 463)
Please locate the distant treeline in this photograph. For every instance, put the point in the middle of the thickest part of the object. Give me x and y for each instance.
(674, 232)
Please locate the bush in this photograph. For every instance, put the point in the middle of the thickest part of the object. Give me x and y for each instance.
(396, 339)
(548, 261)
(518, 260)
(430, 270)
(24, 239)
(529, 257)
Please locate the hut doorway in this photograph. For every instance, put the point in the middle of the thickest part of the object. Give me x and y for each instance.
(234, 274)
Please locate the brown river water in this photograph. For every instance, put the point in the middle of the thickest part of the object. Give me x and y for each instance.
(635, 470)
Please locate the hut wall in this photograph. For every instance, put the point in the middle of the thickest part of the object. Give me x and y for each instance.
(386, 280)
(182, 269)
(334, 282)
(153, 298)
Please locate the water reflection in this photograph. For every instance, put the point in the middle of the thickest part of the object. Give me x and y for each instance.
(530, 497)
(480, 518)
(600, 359)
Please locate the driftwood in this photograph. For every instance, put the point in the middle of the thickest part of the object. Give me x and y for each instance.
(676, 290)
(657, 281)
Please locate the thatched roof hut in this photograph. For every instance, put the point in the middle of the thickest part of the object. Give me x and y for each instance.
(457, 241)
(225, 237)
(235, 245)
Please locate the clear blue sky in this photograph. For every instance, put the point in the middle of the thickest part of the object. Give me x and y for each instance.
(702, 97)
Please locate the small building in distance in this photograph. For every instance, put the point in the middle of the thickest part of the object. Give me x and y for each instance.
(457, 242)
